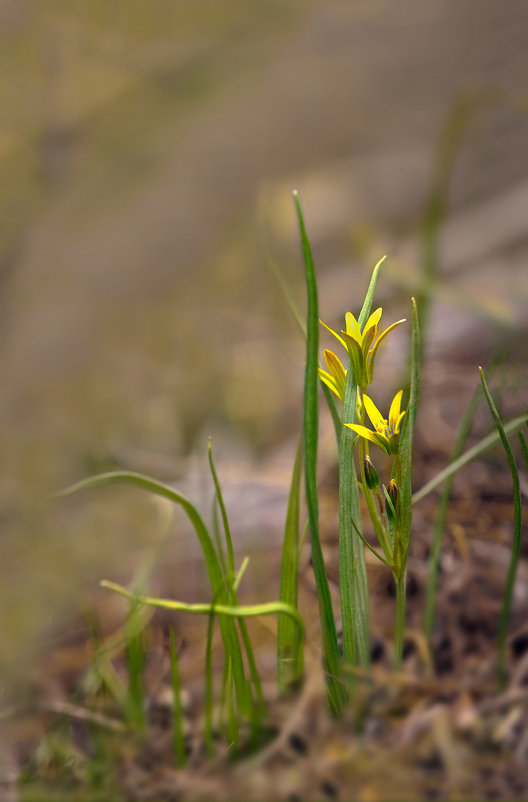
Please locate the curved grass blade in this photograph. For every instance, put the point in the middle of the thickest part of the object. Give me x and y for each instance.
(405, 486)
(367, 303)
(223, 511)
(336, 691)
(407, 434)
(220, 610)
(252, 665)
(517, 538)
(524, 448)
(441, 516)
(473, 452)
(289, 656)
(214, 570)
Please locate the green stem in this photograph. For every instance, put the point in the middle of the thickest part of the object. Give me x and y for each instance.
(353, 585)
(399, 628)
(378, 525)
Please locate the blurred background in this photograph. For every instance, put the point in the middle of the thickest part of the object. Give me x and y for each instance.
(147, 155)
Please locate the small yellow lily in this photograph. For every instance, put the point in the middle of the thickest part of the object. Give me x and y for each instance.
(362, 345)
(387, 434)
(335, 376)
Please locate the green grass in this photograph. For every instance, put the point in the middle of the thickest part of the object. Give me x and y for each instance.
(234, 706)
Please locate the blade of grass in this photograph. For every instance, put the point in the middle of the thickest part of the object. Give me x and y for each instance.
(135, 662)
(336, 691)
(178, 732)
(214, 570)
(336, 417)
(223, 511)
(217, 537)
(209, 688)
(232, 719)
(517, 539)
(405, 486)
(441, 516)
(220, 610)
(289, 657)
(352, 565)
(471, 454)
(524, 448)
(233, 588)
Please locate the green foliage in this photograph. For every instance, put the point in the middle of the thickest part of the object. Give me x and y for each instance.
(331, 656)
(241, 699)
(289, 651)
(517, 537)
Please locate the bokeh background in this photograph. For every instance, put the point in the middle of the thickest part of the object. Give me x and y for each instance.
(147, 155)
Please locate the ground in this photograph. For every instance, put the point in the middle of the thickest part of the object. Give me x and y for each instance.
(442, 729)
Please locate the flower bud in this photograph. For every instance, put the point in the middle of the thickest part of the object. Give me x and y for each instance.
(371, 475)
(391, 499)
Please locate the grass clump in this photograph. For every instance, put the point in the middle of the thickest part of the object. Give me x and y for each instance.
(237, 711)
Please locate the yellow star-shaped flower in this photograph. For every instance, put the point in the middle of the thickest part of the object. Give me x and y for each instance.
(387, 432)
(361, 345)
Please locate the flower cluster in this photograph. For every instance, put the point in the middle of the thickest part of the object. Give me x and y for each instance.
(362, 346)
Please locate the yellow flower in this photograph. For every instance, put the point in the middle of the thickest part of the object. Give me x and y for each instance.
(362, 345)
(387, 434)
(335, 376)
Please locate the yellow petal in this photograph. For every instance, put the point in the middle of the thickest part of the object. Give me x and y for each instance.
(330, 382)
(353, 329)
(334, 333)
(373, 320)
(394, 412)
(368, 434)
(372, 411)
(337, 371)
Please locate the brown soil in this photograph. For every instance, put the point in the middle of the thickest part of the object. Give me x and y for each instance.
(442, 729)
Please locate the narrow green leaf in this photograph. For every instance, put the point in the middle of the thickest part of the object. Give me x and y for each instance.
(367, 303)
(473, 452)
(289, 657)
(336, 691)
(353, 585)
(178, 729)
(218, 585)
(220, 610)
(517, 539)
(223, 511)
(402, 474)
(406, 440)
(209, 687)
(524, 448)
(441, 516)
(252, 665)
